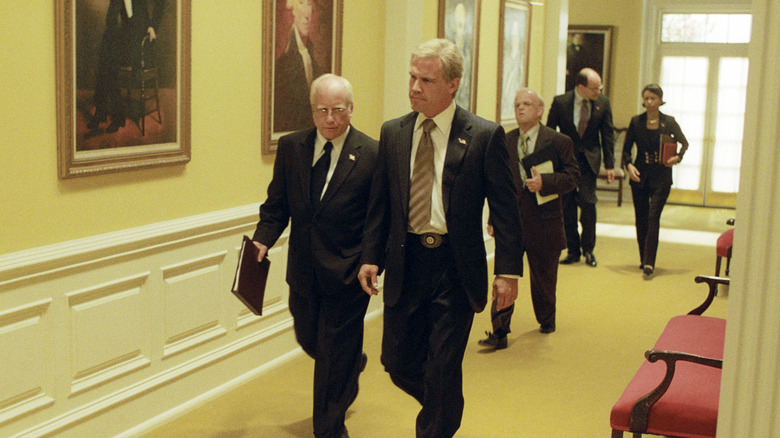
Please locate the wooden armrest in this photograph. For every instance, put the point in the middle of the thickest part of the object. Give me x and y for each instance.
(639, 412)
(713, 283)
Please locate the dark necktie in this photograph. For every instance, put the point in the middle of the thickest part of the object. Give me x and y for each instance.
(584, 117)
(523, 154)
(421, 188)
(319, 173)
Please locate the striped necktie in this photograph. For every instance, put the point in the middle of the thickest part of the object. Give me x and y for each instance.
(421, 188)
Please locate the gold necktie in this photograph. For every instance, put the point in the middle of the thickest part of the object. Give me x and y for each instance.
(421, 188)
(523, 154)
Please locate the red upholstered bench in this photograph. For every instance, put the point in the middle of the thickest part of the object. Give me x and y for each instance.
(676, 390)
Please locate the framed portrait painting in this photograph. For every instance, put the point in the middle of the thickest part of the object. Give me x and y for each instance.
(123, 85)
(459, 23)
(301, 41)
(589, 46)
(513, 46)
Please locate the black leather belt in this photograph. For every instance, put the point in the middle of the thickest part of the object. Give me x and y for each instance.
(430, 240)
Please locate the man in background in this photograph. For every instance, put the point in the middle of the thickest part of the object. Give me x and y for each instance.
(547, 169)
(436, 166)
(585, 115)
(321, 183)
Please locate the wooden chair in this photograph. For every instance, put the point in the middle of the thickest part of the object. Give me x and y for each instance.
(142, 85)
(620, 174)
(723, 248)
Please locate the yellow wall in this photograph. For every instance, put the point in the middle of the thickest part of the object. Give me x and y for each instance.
(227, 168)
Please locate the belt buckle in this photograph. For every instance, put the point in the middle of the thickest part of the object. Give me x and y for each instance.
(431, 240)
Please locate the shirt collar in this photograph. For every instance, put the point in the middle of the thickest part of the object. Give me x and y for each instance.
(531, 133)
(443, 120)
(338, 142)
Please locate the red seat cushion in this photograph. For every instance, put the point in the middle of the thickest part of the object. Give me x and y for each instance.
(725, 240)
(689, 408)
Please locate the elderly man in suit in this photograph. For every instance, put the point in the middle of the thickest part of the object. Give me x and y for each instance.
(585, 115)
(436, 166)
(536, 147)
(321, 183)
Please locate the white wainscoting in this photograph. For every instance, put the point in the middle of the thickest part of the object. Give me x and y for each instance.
(118, 333)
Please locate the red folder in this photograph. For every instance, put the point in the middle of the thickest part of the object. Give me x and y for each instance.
(249, 282)
(668, 148)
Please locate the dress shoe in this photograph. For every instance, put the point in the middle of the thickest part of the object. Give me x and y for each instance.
(547, 328)
(570, 259)
(363, 362)
(648, 270)
(114, 126)
(499, 343)
(590, 259)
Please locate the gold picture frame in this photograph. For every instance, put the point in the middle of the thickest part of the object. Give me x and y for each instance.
(156, 64)
(513, 48)
(286, 76)
(589, 46)
(459, 23)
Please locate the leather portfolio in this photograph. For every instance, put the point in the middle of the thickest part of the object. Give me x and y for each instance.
(250, 279)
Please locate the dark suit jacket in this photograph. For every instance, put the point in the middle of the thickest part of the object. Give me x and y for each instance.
(476, 166)
(292, 107)
(324, 244)
(598, 136)
(543, 224)
(648, 143)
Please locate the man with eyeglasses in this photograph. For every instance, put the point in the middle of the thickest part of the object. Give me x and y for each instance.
(585, 115)
(321, 182)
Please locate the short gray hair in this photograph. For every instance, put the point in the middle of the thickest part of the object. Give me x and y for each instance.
(539, 99)
(447, 52)
(330, 77)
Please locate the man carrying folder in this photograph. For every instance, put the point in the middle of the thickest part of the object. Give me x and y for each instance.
(547, 169)
(320, 184)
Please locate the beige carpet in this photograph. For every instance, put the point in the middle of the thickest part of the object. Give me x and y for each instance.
(558, 385)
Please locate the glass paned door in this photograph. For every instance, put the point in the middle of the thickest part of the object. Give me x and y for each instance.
(702, 67)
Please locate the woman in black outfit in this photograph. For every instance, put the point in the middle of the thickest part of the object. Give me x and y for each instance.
(651, 180)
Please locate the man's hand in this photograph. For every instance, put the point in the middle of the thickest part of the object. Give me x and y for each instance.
(534, 184)
(368, 278)
(152, 34)
(610, 175)
(263, 250)
(490, 230)
(504, 291)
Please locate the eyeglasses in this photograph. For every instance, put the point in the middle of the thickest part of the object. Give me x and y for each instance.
(600, 88)
(324, 112)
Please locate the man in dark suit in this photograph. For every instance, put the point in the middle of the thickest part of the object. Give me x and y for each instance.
(436, 166)
(321, 183)
(294, 72)
(539, 196)
(585, 115)
(129, 24)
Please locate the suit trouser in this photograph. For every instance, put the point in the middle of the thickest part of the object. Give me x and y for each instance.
(425, 338)
(648, 204)
(584, 197)
(329, 328)
(543, 273)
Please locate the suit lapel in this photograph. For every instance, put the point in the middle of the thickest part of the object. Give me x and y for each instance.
(459, 140)
(405, 138)
(304, 150)
(350, 153)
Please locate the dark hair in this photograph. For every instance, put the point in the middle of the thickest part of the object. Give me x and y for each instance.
(655, 89)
